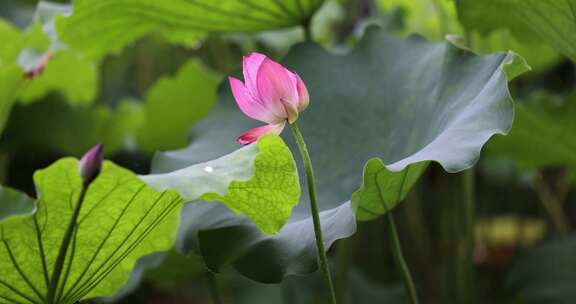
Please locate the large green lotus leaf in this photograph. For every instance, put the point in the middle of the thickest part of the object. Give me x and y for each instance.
(121, 220)
(55, 126)
(551, 21)
(67, 72)
(543, 133)
(174, 104)
(101, 26)
(405, 101)
(259, 181)
(545, 274)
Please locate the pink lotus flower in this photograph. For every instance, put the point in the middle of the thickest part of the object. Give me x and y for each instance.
(270, 93)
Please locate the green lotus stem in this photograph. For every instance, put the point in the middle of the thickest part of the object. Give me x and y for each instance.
(552, 204)
(214, 291)
(399, 257)
(343, 255)
(311, 181)
(307, 28)
(465, 249)
(59, 264)
(470, 215)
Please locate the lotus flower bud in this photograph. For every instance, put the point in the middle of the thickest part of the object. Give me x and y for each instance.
(91, 164)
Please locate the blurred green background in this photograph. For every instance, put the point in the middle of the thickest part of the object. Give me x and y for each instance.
(143, 92)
